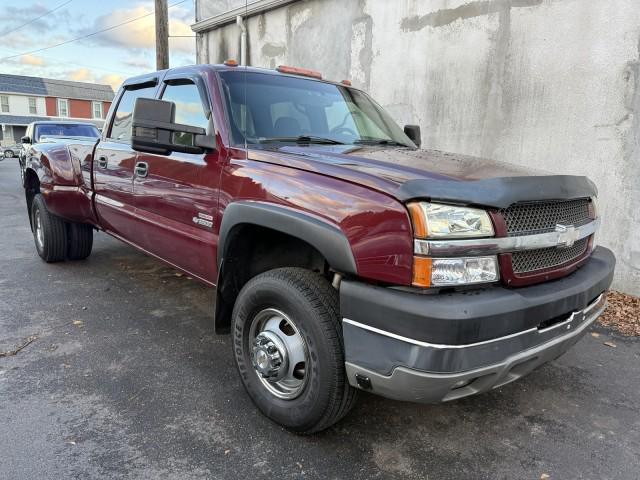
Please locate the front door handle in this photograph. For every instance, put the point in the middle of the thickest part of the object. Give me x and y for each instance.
(103, 161)
(142, 169)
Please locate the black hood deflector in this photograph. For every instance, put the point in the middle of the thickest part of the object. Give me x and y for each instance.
(499, 192)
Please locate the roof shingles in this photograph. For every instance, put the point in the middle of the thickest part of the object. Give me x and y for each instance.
(55, 88)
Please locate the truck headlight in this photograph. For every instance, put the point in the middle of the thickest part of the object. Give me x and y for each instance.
(440, 272)
(433, 220)
(449, 222)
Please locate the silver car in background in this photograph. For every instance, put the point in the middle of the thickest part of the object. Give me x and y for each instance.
(10, 151)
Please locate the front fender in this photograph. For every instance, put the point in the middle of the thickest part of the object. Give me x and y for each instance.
(325, 237)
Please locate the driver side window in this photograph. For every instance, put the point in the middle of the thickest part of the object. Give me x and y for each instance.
(189, 108)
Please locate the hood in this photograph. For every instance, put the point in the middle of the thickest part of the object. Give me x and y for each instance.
(431, 174)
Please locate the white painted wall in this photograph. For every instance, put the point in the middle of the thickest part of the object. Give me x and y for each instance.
(19, 105)
(553, 84)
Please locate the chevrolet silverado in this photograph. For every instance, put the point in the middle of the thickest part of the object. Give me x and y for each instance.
(343, 256)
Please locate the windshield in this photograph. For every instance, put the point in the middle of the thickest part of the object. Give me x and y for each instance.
(62, 130)
(281, 109)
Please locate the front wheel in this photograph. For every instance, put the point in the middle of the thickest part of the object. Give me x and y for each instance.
(8, 154)
(288, 347)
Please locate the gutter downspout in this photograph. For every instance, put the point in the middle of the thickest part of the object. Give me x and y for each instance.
(243, 40)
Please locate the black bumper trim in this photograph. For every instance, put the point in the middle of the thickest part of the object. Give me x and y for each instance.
(476, 315)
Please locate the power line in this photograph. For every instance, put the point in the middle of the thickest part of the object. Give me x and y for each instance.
(37, 18)
(88, 35)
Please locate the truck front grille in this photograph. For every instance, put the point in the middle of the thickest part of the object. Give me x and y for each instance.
(547, 258)
(541, 217)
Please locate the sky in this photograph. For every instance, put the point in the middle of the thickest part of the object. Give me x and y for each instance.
(108, 57)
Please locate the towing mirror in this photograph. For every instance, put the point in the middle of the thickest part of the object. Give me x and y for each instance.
(413, 132)
(25, 139)
(154, 130)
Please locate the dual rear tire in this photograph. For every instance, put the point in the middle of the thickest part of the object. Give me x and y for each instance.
(57, 240)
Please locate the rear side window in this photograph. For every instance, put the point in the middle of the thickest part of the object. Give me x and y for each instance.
(121, 125)
(189, 108)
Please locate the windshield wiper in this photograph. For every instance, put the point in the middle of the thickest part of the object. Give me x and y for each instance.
(378, 141)
(302, 139)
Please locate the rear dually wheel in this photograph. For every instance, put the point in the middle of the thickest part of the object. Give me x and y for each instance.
(49, 232)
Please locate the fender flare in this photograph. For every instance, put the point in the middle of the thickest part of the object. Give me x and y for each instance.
(328, 239)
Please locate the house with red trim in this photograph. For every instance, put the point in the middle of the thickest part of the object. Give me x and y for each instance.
(27, 99)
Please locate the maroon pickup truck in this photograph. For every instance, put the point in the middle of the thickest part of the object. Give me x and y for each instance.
(344, 257)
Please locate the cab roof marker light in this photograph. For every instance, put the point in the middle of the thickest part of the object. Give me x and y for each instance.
(231, 62)
(304, 72)
(346, 82)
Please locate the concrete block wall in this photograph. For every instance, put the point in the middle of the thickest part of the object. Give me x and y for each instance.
(552, 84)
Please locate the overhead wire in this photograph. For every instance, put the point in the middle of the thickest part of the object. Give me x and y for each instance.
(82, 37)
(36, 18)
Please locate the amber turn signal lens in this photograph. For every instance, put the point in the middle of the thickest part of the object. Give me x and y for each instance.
(305, 72)
(418, 219)
(421, 272)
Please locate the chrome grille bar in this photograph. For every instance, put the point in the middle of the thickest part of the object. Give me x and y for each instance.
(492, 246)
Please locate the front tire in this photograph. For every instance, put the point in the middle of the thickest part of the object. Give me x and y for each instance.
(49, 232)
(8, 154)
(288, 347)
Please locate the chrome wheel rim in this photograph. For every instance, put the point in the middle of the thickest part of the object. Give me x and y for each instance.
(8, 154)
(38, 228)
(278, 354)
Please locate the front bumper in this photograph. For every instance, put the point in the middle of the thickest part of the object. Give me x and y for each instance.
(491, 337)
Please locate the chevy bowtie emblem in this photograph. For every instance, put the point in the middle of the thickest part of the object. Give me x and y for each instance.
(567, 235)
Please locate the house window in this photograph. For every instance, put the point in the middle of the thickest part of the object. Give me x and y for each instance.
(33, 106)
(4, 103)
(97, 109)
(63, 107)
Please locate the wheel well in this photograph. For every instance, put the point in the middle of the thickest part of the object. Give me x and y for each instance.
(31, 188)
(251, 250)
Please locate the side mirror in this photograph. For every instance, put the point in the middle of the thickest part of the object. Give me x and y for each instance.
(413, 132)
(154, 130)
(25, 139)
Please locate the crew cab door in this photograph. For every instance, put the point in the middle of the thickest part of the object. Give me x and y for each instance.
(113, 165)
(176, 195)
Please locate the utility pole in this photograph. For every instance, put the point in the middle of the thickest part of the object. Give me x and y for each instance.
(162, 35)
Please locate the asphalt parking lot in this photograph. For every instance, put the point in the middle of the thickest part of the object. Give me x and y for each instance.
(126, 379)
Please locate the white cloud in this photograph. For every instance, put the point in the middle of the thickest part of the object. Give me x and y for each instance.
(140, 34)
(112, 79)
(82, 75)
(87, 75)
(32, 60)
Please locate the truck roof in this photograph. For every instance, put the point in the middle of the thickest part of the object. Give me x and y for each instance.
(155, 77)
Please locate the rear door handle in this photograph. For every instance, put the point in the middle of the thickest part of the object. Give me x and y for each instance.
(142, 169)
(103, 161)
